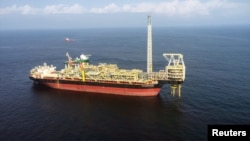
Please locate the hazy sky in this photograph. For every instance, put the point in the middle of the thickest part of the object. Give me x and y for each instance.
(37, 14)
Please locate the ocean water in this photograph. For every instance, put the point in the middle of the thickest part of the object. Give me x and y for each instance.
(216, 89)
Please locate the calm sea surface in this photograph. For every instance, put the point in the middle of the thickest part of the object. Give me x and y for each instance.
(216, 89)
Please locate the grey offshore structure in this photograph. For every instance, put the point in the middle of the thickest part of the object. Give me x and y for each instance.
(175, 71)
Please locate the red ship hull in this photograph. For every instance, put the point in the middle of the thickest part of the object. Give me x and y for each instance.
(100, 88)
(106, 90)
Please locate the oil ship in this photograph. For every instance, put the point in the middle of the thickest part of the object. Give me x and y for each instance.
(80, 75)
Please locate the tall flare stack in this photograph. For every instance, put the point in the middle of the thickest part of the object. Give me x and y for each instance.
(149, 47)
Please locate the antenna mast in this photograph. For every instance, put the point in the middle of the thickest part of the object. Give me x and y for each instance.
(149, 47)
